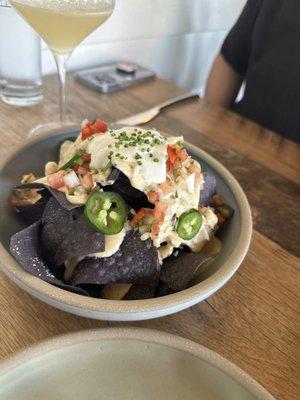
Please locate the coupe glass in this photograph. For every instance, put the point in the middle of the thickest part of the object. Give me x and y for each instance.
(63, 24)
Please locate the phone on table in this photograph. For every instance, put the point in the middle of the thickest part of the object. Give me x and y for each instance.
(112, 77)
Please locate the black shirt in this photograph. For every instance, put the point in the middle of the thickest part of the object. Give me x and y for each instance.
(264, 45)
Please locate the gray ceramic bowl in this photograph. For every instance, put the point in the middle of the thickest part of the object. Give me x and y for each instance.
(115, 364)
(32, 156)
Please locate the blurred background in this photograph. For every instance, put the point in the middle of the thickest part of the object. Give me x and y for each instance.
(178, 39)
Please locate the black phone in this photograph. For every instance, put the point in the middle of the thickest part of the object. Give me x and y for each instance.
(112, 77)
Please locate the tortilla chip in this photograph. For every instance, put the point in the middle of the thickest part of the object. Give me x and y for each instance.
(209, 189)
(65, 235)
(135, 262)
(32, 212)
(60, 196)
(115, 291)
(24, 246)
(163, 290)
(92, 290)
(133, 197)
(177, 272)
(140, 292)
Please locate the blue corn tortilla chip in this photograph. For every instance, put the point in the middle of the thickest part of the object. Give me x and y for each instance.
(92, 290)
(208, 190)
(25, 248)
(114, 175)
(139, 292)
(177, 271)
(60, 196)
(163, 290)
(133, 197)
(135, 262)
(65, 235)
(32, 212)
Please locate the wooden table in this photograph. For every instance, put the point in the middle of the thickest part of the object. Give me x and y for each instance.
(254, 320)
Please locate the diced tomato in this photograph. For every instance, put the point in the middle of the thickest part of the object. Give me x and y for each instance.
(177, 164)
(56, 180)
(161, 206)
(82, 170)
(154, 231)
(159, 212)
(86, 132)
(87, 181)
(86, 158)
(182, 154)
(159, 216)
(90, 129)
(171, 154)
(169, 166)
(153, 196)
(138, 216)
(165, 188)
(79, 169)
(101, 126)
(176, 156)
(86, 167)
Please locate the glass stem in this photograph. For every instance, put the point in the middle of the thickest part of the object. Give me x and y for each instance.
(61, 62)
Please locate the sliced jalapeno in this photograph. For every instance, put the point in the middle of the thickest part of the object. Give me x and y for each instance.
(106, 212)
(69, 164)
(189, 224)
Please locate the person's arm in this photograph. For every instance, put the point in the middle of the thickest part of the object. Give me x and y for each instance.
(231, 64)
(223, 83)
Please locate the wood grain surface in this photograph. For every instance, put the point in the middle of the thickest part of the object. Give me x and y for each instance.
(254, 320)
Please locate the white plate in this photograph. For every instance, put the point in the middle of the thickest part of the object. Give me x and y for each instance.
(124, 364)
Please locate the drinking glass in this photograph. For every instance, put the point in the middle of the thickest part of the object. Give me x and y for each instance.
(63, 24)
(19, 86)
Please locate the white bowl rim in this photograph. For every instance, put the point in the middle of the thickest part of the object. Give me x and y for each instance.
(53, 295)
(138, 334)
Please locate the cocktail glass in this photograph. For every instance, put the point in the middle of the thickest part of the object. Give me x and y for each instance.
(63, 24)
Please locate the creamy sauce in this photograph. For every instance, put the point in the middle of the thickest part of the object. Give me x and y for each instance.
(139, 153)
(165, 251)
(78, 198)
(70, 266)
(112, 245)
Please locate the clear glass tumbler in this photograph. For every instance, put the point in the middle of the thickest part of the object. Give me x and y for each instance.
(20, 60)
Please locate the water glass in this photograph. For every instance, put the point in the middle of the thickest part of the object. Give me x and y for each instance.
(20, 60)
